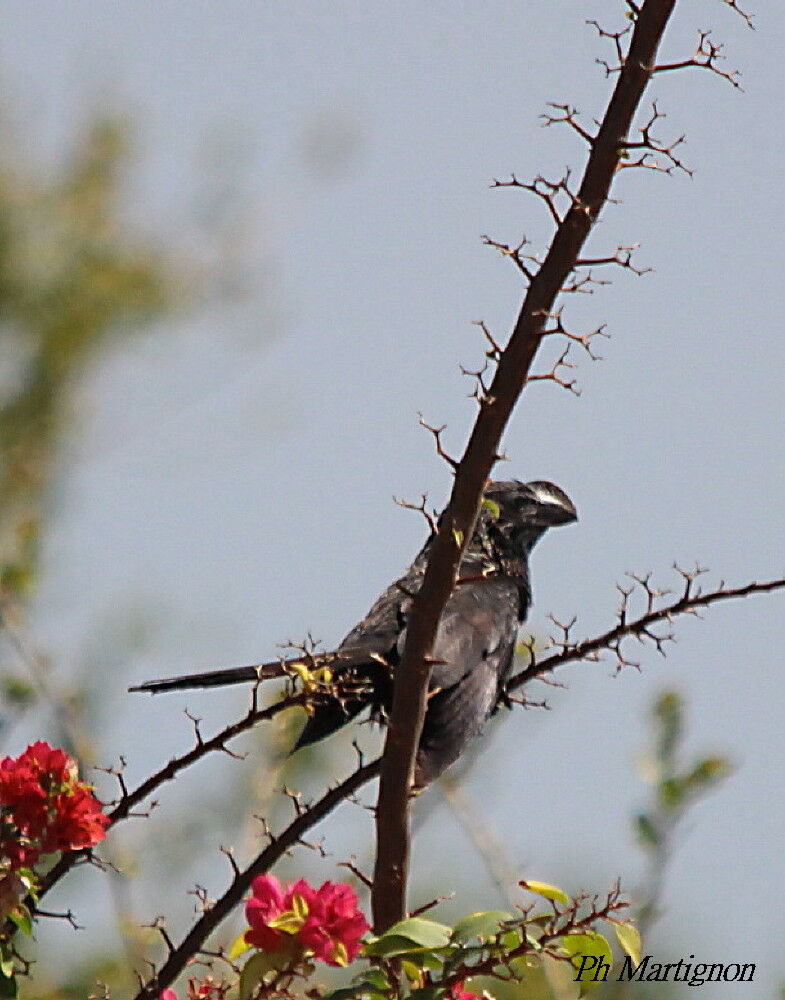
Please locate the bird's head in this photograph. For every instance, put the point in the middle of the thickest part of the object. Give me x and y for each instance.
(524, 511)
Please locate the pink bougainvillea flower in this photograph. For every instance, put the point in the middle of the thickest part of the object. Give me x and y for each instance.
(266, 903)
(207, 989)
(324, 922)
(334, 926)
(457, 992)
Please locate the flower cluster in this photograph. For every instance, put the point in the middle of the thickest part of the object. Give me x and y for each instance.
(207, 989)
(324, 922)
(457, 992)
(44, 807)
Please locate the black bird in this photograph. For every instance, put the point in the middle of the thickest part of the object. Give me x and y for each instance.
(475, 641)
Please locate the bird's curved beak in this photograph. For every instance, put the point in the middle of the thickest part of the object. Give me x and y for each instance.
(555, 513)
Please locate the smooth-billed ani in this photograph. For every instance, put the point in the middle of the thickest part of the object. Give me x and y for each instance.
(475, 641)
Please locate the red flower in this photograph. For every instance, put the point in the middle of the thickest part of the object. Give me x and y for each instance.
(78, 821)
(323, 921)
(207, 989)
(51, 765)
(17, 855)
(44, 807)
(21, 793)
(457, 992)
(334, 926)
(265, 904)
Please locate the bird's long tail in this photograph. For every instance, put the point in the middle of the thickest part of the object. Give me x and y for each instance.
(346, 657)
(212, 678)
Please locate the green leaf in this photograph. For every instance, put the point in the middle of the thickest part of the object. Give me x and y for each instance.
(707, 771)
(428, 959)
(363, 988)
(671, 793)
(411, 970)
(414, 937)
(254, 971)
(17, 692)
(588, 952)
(629, 941)
(648, 834)
(484, 924)
(391, 945)
(457, 537)
(531, 982)
(376, 978)
(6, 963)
(492, 507)
(427, 933)
(8, 986)
(510, 940)
(668, 712)
(546, 891)
(22, 920)
(387, 944)
(425, 993)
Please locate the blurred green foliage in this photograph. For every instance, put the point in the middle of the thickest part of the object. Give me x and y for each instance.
(675, 787)
(72, 276)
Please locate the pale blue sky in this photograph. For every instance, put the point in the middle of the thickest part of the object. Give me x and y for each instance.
(236, 473)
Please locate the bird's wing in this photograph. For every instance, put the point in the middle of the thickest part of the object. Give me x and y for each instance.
(473, 653)
(474, 650)
(479, 618)
(381, 628)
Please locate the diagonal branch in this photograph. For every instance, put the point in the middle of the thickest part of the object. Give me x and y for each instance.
(180, 955)
(408, 712)
(130, 800)
(688, 602)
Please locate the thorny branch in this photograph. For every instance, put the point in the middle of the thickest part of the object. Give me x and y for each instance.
(554, 375)
(748, 18)
(282, 668)
(656, 612)
(130, 800)
(523, 262)
(567, 115)
(420, 508)
(180, 955)
(458, 520)
(573, 213)
(580, 913)
(583, 340)
(654, 154)
(549, 192)
(690, 601)
(706, 56)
